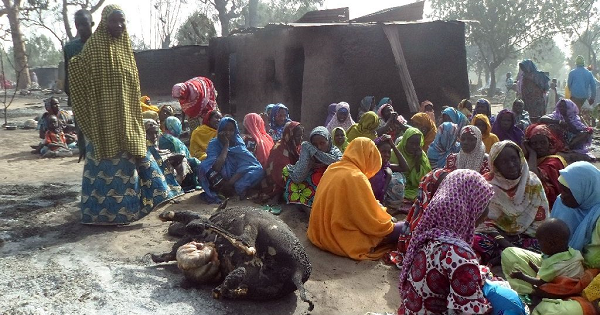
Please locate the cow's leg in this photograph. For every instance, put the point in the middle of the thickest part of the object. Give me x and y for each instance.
(232, 287)
(171, 256)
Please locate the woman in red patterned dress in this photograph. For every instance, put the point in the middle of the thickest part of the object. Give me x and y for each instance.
(440, 272)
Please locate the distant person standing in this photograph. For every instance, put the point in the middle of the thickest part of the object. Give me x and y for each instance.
(553, 97)
(83, 24)
(581, 84)
(532, 86)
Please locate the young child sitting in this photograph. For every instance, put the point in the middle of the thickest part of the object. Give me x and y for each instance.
(388, 183)
(558, 259)
(54, 144)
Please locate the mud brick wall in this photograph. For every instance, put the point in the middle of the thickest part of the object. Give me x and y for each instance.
(307, 68)
(160, 69)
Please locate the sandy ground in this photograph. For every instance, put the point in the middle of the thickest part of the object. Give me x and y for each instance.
(52, 264)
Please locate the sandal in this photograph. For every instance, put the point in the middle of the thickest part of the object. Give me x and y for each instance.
(276, 209)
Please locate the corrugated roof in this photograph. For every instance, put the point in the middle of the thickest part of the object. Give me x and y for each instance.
(326, 16)
(409, 12)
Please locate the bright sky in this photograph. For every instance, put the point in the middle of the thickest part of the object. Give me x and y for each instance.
(138, 11)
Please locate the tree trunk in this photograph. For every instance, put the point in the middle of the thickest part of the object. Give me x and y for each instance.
(166, 42)
(20, 56)
(65, 15)
(221, 6)
(492, 89)
(253, 13)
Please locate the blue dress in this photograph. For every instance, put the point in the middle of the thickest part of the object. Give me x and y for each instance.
(124, 189)
(239, 161)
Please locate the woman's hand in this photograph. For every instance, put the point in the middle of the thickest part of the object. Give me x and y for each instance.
(223, 137)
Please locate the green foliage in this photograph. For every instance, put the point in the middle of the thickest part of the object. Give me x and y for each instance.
(501, 28)
(197, 30)
(41, 52)
(277, 11)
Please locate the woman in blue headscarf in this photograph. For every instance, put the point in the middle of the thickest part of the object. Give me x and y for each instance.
(443, 144)
(229, 167)
(579, 206)
(453, 115)
(280, 115)
(169, 140)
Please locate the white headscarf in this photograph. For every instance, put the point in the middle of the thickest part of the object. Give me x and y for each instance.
(475, 159)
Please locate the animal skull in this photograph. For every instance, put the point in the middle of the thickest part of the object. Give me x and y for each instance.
(199, 262)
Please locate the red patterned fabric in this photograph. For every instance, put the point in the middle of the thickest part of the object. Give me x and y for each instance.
(451, 163)
(444, 277)
(197, 97)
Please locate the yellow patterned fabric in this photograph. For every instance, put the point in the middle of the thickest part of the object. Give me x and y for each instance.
(105, 93)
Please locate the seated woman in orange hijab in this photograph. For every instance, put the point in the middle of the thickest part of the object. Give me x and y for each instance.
(346, 219)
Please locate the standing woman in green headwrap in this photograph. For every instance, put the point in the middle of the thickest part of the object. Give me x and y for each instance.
(122, 182)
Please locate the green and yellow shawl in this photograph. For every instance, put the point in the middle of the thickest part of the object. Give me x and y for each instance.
(105, 93)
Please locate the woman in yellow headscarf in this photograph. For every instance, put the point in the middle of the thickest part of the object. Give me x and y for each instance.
(423, 122)
(482, 122)
(202, 135)
(366, 127)
(346, 219)
(148, 111)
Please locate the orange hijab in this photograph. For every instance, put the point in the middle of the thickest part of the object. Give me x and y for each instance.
(487, 137)
(424, 119)
(346, 219)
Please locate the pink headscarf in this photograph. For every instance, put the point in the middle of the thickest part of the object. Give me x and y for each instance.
(255, 126)
(178, 90)
(334, 123)
(450, 216)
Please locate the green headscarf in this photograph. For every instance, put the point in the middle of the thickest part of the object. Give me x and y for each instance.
(345, 144)
(366, 127)
(413, 178)
(579, 61)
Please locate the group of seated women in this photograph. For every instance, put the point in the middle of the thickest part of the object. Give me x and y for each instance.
(481, 191)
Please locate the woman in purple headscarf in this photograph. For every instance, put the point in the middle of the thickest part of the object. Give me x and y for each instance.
(331, 111)
(505, 127)
(565, 121)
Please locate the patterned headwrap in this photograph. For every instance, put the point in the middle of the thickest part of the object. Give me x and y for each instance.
(542, 129)
(451, 215)
(445, 143)
(276, 131)
(179, 90)
(331, 110)
(300, 170)
(473, 160)
(334, 123)
(105, 92)
(456, 116)
(173, 126)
